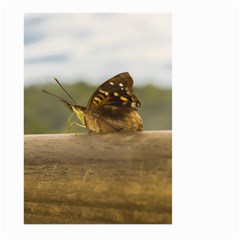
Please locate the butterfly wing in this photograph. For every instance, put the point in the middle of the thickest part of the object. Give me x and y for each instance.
(114, 95)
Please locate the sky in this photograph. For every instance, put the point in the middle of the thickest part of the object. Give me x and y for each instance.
(96, 46)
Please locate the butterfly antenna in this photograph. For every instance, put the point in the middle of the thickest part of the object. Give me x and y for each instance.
(62, 99)
(62, 89)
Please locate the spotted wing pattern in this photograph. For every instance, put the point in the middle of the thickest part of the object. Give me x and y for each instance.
(115, 94)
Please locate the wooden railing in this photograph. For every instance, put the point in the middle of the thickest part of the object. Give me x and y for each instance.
(98, 178)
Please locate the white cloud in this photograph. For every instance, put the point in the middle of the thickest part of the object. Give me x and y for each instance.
(95, 46)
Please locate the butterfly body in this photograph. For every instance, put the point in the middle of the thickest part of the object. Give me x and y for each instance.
(111, 108)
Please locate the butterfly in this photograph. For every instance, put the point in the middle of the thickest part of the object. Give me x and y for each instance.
(111, 108)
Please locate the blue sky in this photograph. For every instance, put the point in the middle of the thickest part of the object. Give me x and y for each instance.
(97, 46)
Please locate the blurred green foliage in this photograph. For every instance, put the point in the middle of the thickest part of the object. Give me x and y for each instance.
(45, 114)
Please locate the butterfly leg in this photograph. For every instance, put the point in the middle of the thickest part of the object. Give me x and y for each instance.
(89, 131)
(71, 125)
(80, 125)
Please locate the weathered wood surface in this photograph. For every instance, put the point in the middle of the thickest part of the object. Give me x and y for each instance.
(98, 178)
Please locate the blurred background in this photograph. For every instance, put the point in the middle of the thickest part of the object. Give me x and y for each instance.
(83, 51)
